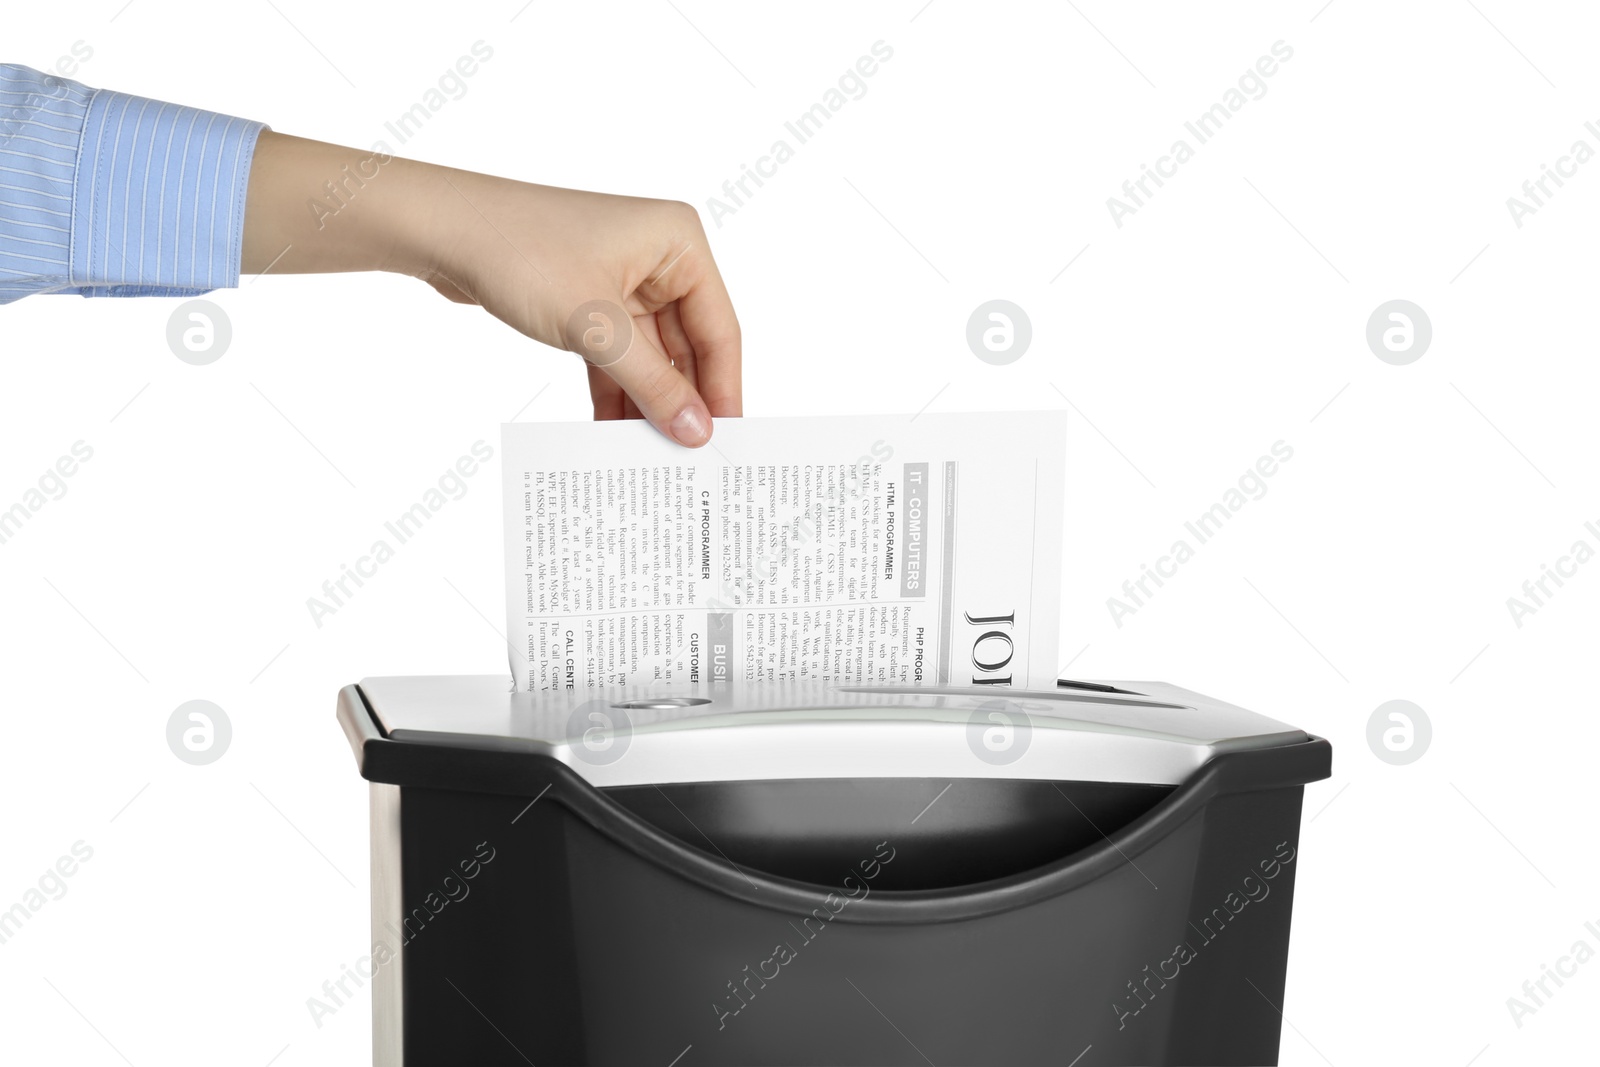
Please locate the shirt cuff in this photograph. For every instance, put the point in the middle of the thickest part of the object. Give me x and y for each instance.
(158, 198)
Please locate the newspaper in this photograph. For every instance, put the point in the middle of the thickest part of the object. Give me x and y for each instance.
(879, 549)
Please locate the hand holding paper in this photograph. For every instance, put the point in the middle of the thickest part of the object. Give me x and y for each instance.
(627, 283)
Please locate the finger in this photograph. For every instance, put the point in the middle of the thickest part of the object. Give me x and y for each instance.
(711, 327)
(663, 395)
(607, 395)
(690, 278)
(650, 326)
(647, 324)
(676, 344)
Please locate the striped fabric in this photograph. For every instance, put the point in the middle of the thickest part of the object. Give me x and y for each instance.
(105, 194)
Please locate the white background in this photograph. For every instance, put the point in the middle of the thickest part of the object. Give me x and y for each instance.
(1226, 315)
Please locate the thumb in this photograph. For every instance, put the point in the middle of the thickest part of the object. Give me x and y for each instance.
(605, 335)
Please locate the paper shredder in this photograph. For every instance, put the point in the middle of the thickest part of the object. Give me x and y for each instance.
(826, 874)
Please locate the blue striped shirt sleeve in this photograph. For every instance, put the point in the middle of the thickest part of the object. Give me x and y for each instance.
(106, 194)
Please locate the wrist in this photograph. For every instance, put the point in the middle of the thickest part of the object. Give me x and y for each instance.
(436, 224)
(416, 217)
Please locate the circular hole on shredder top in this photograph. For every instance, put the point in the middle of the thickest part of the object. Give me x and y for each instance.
(663, 703)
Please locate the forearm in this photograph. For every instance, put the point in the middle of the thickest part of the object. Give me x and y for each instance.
(316, 208)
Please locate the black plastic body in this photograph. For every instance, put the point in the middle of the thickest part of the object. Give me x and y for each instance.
(1122, 925)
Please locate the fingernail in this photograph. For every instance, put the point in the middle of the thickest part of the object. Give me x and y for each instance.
(691, 426)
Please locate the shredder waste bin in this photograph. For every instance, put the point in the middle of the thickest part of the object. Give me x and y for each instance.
(788, 873)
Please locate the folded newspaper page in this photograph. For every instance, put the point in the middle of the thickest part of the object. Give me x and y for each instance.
(882, 549)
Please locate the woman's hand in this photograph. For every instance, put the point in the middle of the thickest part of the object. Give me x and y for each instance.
(627, 283)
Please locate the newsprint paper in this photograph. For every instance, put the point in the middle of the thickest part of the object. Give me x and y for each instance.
(882, 549)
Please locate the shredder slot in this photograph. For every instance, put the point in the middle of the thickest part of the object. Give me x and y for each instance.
(1093, 687)
(943, 833)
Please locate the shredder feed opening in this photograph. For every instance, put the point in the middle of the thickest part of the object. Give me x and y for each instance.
(948, 832)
